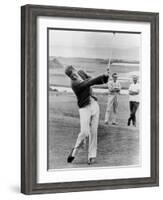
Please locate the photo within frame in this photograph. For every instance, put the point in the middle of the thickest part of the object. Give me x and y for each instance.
(111, 136)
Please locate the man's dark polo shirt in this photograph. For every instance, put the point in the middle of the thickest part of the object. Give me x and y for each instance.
(83, 90)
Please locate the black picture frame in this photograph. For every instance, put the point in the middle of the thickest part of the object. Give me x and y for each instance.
(29, 15)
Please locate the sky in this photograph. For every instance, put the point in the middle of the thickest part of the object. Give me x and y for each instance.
(86, 44)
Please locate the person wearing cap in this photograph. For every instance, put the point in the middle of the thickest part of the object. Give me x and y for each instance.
(114, 88)
(133, 100)
(88, 110)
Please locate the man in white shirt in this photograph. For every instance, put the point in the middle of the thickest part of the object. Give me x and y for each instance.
(133, 100)
(114, 88)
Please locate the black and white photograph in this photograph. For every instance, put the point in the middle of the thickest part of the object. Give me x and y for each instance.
(94, 98)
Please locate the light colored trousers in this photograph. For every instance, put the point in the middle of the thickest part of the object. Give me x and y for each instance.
(89, 119)
(111, 108)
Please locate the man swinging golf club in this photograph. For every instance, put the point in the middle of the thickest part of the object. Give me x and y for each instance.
(88, 110)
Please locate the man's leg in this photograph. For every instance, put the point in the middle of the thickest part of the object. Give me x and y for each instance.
(109, 108)
(131, 111)
(84, 131)
(115, 107)
(92, 150)
(135, 107)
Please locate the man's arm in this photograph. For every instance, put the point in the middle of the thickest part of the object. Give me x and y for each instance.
(91, 81)
(83, 74)
(110, 87)
(118, 88)
(113, 89)
(133, 92)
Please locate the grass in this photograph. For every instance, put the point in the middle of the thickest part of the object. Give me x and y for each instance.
(117, 145)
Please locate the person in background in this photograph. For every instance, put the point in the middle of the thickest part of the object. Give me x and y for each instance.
(133, 100)
(114, 88)
(88, 110)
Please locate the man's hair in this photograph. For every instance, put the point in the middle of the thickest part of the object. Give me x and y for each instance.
(69, 69)
(114, 75)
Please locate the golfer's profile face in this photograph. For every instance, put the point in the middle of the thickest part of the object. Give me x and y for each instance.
(75, 75)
